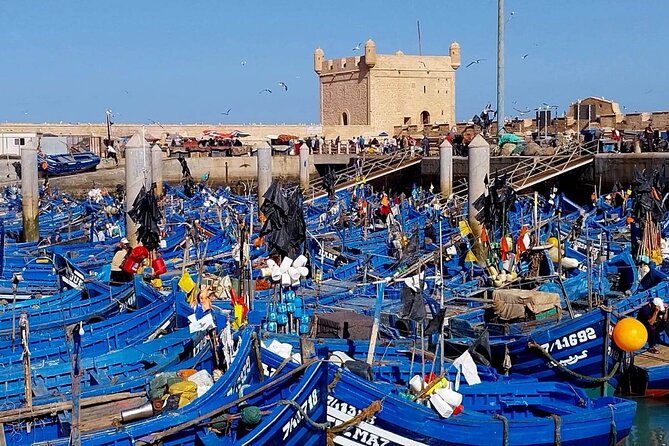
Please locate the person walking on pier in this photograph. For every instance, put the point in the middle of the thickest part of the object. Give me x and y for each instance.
(425, 144)
(649, 134)
(111, 153)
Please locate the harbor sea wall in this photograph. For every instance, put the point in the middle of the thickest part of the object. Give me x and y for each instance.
(605, 169)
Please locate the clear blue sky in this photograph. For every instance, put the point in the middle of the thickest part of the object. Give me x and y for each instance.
(180, 61)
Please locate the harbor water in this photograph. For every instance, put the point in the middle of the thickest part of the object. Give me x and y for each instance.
(651, 425)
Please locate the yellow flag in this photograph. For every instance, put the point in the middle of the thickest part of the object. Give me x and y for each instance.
(470, 257)
(186, 282)
(465, 230)
(238, 321)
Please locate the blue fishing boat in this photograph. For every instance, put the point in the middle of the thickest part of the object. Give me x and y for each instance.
(523, 413)
(153, 314)
(68, 164)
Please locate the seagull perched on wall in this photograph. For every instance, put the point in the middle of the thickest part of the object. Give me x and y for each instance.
(265, 90)
(283, 85)
(357, 47)
(474, 62)
(227, 112)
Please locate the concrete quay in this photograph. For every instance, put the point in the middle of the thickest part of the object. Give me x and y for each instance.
(607, 168)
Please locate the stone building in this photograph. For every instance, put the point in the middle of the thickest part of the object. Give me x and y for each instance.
(384, 90)
(583, 112)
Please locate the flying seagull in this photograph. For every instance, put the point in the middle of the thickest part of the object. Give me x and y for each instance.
(522, 112)
(243, 63)
(524, 56)
(357, 47)
(510, 16)
(265, 90)
(227, 112)
(245, 165)
(283, 85)
(474, 62)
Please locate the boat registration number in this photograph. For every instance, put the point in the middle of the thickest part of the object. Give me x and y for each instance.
(307, 407)
(571, 340)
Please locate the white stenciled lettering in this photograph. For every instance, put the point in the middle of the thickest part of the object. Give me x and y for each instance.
(308, 406)
(571, 340)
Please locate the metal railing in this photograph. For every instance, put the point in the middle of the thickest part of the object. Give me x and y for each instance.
(366, 167)
(531, 171)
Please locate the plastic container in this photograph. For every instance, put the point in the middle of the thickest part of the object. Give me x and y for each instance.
(444, 409)
(451, 397)
(417, 385)
(285, 264)
(139, 252)
(158, 266)
(131, 265)
(300, 261)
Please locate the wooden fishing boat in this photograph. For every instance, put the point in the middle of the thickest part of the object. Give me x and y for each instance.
(68, 164)
(523, 413)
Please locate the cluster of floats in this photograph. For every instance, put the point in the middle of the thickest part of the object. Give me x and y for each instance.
(358, 319)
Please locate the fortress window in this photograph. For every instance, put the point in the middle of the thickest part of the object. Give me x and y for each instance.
(425, 117)
(344, 118)
(424, 89)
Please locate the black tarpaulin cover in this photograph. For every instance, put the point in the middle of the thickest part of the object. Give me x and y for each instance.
(646, 192)
(146, 214)
(413, 305)
(284, 226)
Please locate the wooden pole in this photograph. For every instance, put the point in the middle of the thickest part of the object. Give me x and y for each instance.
(27, 379)
(380, 288)
(75, 434)
(441, 296)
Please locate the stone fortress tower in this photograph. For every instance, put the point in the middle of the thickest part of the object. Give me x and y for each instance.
(384, 90)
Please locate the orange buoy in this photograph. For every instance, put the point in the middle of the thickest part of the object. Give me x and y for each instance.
(630, 335)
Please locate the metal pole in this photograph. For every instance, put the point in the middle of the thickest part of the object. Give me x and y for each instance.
(578, 121)
(109, 141)
(500, 67)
